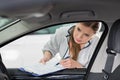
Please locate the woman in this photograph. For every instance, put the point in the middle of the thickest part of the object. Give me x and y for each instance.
(77, 42)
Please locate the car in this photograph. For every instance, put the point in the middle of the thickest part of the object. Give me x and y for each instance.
(26, 26)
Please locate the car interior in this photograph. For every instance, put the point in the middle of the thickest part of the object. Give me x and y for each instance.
(26, 25)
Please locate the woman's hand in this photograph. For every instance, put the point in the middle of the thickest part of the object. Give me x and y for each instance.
(70, 63)
(47, 57)
(44, 60)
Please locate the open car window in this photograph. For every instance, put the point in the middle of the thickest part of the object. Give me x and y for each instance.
(28, 49)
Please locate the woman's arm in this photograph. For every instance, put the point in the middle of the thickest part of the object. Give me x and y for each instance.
(46, 57)
(53, 44)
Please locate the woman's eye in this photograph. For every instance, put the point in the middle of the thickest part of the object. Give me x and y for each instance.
(87, 35)
(78, 29)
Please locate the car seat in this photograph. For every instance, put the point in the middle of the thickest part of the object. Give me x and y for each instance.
(112, 50)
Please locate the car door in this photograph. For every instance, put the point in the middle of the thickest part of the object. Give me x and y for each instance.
(25, 48)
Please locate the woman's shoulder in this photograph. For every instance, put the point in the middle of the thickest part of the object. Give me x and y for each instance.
(94, 40)
(63, 30)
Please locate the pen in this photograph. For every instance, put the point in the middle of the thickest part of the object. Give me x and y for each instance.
(64, 58)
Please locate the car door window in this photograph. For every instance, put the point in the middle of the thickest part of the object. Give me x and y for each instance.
(28, 49)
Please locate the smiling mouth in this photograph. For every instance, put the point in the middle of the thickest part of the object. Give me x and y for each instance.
(78, 40)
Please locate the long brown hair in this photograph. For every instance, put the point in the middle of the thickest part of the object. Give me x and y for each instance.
(74, 47)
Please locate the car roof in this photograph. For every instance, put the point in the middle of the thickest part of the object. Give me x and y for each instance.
(48, 12)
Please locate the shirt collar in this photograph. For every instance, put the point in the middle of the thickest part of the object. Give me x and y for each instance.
(87, 44)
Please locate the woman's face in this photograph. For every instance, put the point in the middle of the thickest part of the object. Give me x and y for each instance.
(82, 34)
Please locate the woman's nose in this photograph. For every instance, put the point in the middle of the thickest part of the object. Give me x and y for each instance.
(80, 36)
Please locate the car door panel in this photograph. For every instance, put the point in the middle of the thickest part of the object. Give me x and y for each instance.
(65, 74)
